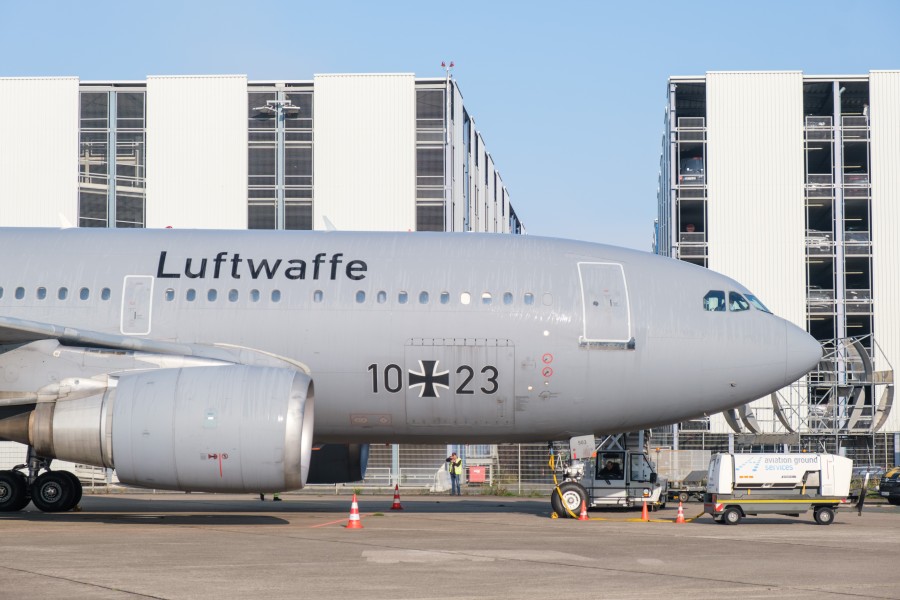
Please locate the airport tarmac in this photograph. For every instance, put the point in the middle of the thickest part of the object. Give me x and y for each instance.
(234, 546)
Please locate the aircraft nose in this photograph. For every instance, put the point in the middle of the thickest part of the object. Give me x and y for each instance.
(802, 353)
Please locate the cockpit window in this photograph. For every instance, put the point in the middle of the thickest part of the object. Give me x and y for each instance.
(737, 303)
(759, 305)
(714, 300)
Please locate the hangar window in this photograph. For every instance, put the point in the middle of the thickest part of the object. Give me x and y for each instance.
(20, 293)
(445, 297)
(190, 295)
(84, 294)
(465, 298)
(170, 295)
(529, 299)
(360, 297)
(104, 294)
(276, 295)
(507, 298)
(486, 298)
(714, 300)
(41, 293)
(232, 295)
(211, 295)
(423, 297)
(402, 297)
(318, 296)
(62, 293)
(736, 302)
(381, 297)
(254, 295)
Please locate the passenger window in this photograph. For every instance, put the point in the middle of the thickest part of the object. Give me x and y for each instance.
(232, 295)
(714, 300)
(41, 293)
(402, 297)
(84, 294)
(423, 297)
(211, 295)
(445, 297)
(548, 299)
(20, 293)
(529, 299)
(486, 298)
(254, 295)
(382, 297)
(507, 298)
(104, 294)
(465, 298)
(276, 295)
(1, 292)
(736, 302)
(318, 296)
(191, 295)
(170, 295)
(360, 297)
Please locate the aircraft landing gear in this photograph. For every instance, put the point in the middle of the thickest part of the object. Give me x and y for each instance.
(51, 491)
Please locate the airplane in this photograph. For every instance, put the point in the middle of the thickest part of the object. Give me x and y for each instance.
(215, 361)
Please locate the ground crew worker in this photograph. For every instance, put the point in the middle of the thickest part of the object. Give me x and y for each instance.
(454, 465)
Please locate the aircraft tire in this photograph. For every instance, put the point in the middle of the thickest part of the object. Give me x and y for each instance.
(77, 490)
(731, 516)
(13, 491)
(824, 515)
(573, 495)
(52, 492)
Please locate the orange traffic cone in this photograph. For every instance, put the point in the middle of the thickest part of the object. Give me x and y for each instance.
(645, 516)
(396, 505)
(354, 522)
(680, 517)
(583, 516)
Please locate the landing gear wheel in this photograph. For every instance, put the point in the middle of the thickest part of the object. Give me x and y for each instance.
(13, 491)
(731, 516)
(824, 515)
(77, 489)
(573, 496)
(52, 492)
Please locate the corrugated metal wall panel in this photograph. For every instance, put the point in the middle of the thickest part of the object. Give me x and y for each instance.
(197, 152)
(480, 224)
(38, 151)
(755, 173)
(365, 152)
(457, 168)
(884, 95)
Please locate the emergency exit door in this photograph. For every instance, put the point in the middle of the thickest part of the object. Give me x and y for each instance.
(137, 298)
(604, 294)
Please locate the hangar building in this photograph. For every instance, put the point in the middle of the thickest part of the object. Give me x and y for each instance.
(360, 151)
(789, 183)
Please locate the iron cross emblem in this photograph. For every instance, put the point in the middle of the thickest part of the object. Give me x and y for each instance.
(429, 379)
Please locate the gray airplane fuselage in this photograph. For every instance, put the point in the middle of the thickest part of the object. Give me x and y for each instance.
(417, 337)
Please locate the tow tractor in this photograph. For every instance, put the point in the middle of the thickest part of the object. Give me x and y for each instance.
(603, 477)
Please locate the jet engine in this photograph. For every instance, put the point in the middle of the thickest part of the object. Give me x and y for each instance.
(231, 428)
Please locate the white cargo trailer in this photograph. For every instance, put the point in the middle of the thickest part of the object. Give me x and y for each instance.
(786, 484)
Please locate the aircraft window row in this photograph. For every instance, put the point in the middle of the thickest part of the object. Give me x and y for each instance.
(62, 293)
(318, 296)
(714, 301)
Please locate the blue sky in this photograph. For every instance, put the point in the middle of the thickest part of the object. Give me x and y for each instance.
(568, 95)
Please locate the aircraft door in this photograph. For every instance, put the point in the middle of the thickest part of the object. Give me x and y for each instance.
(606, 312)
(460, 382)
(137, 299)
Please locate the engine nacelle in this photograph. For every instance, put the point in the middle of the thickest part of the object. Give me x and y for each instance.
(231, 428)
(338, 463)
